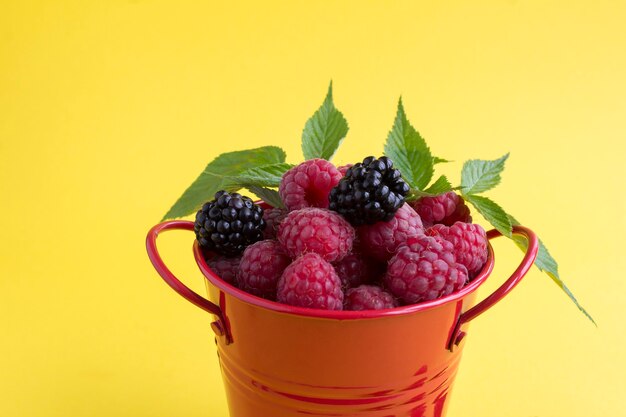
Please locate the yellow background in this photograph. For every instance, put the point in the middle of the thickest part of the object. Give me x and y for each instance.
(108, 111)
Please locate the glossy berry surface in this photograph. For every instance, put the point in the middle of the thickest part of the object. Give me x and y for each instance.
(273, 217)
(308, 184)
(447, 208)
(368, 297)
(470, 244)
(229, 223)
(225, 268)
(423, 269)
(371, 191)
(381, 240)
(344, 168)
(310, 282)
(316, 230)
(261, 266)
(357, 269)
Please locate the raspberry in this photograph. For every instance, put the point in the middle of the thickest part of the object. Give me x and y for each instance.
(225, 268)
(470, 244)
(370, 192)
(356, 269)
(272, 217)
(316, 230)
(308, 184)
(229, 223)
(382, 239)
(261, 266)
(423, 269)
(310, 282)
(344, 168)
(447, 208)
(368, 297)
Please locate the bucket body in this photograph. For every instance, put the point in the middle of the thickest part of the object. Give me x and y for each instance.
(283, 361)
(281, 364)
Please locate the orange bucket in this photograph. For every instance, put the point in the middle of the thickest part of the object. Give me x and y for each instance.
(284, 361)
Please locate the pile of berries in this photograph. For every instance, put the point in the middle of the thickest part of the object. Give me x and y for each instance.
(347, 239)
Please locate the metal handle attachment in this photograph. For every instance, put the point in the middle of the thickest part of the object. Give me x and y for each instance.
(531, 253)
(167, 275)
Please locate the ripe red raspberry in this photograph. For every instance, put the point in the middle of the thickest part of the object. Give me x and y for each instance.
(308, 184)
(470, 244)
(310, 282)
(225, 268)
(446, 208)
(368, 297)
(261, 266)
(356, 269)
(272, 217)
(380, 240)
(344, 168)
(316, 230)
(423, 269)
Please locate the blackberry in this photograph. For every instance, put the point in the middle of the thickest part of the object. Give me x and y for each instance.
(371, 191)
(229, 223)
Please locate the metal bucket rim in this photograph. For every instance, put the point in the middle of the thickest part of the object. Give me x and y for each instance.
(253, 300)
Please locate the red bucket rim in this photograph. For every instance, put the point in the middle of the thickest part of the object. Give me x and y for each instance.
(340, 314)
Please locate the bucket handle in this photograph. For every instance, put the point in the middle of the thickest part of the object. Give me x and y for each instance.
(527, 262)
(218, 326)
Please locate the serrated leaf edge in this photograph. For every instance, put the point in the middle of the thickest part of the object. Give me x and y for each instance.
(274, 201)
(467, 164)
(328, 105)
(507, 230)
(402, 124)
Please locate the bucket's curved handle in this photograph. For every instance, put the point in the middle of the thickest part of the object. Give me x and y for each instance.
(167, 275)
(531, 253)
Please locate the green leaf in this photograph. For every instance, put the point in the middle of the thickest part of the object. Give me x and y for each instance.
(409, 152)
(268, 195)
(492, 212)
(324, 131)
(479, 175)
(442, 185)
(262, 176)
(546, 263)
(214, 177)
(437, 160)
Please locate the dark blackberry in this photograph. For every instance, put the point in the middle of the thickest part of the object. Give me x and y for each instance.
(370, 192)
(229, 223)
